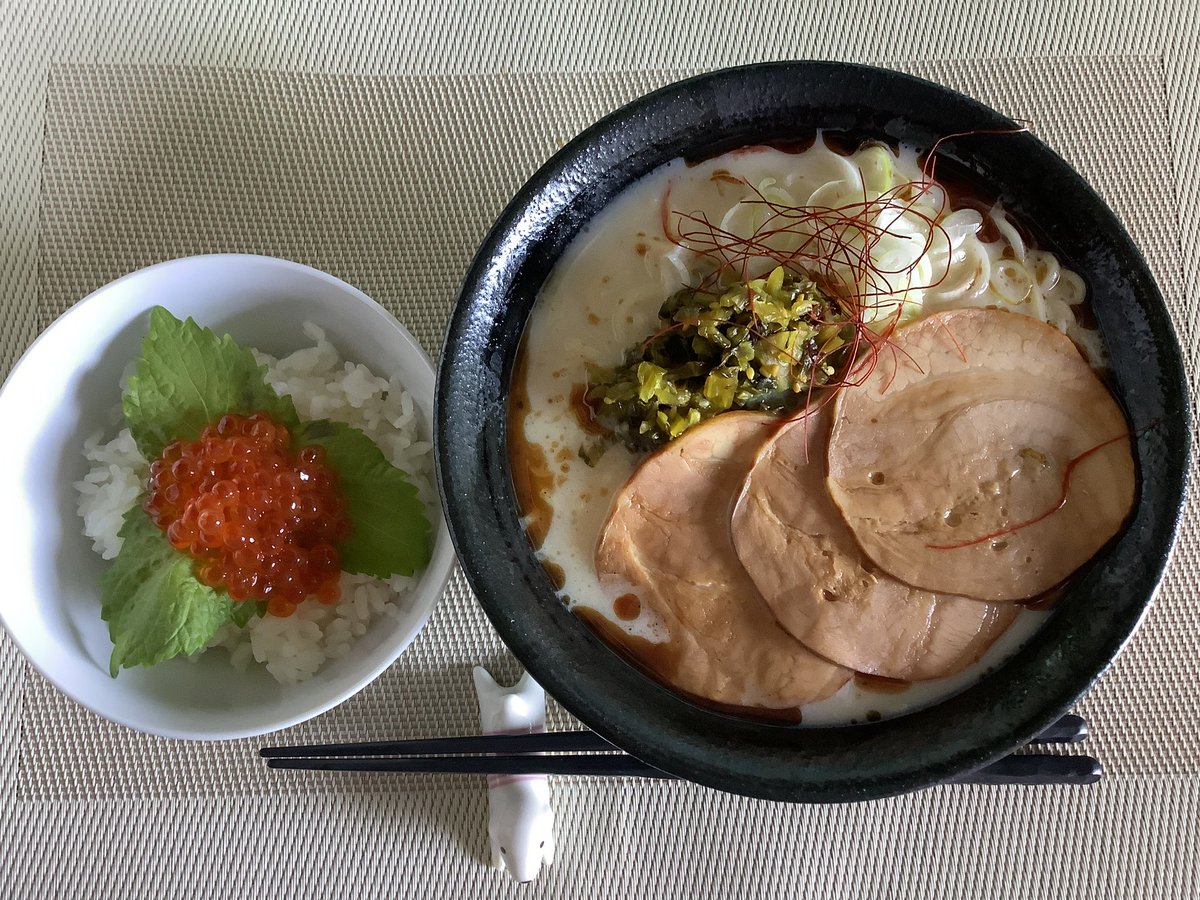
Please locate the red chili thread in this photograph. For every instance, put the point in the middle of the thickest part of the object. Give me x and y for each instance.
(1062, 501)
(829, 239)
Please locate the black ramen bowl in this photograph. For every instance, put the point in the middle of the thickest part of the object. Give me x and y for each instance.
(776, 104)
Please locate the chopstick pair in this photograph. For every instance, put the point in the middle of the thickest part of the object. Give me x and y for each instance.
(515, 754)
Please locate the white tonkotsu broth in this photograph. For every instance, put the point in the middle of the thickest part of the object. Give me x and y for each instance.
(605, 293)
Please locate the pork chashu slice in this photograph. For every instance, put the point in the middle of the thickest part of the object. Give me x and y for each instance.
(805, 561)
(667, 539)
(966, 428)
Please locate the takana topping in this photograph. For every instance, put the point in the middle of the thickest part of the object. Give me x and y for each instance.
(754, 345)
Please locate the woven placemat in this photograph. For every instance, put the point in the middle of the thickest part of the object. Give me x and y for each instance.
(390, 183)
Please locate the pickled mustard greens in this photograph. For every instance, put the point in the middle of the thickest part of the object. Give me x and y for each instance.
(760, 345)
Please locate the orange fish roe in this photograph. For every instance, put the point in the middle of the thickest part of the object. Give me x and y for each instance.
(261, 522)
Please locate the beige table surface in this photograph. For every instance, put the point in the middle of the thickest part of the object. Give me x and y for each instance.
(138, 132)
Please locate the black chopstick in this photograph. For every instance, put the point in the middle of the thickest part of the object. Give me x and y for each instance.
(519, 754)
(1067, 730)
(1028, 769)
(1070, 729)
(611, 765)
(1037, 769)
(536, 742)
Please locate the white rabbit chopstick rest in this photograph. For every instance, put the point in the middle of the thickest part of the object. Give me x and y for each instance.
(520, 820)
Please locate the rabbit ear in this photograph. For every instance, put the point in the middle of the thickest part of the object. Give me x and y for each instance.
(485, 684)
(529, 688)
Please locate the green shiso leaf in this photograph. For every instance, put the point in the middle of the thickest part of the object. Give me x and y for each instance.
(246, 610)
(188, 377)
(154, 606)
(389, 531)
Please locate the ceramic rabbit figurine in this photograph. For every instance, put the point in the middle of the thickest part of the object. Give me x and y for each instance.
(520, 820)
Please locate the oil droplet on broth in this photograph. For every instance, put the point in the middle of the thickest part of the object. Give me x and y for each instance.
(877, 684)
(558, 577)
(533, 480)
(627, 607)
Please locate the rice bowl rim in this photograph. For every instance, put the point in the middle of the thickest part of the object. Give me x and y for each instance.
(419, 602)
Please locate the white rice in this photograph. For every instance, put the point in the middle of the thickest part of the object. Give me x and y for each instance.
(323, 387)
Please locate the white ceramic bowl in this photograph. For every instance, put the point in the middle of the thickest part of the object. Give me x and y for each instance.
(65, 387)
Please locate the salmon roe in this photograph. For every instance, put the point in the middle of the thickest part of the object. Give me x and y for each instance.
(261, 521)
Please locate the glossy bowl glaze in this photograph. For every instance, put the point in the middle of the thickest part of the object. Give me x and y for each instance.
(778, 103)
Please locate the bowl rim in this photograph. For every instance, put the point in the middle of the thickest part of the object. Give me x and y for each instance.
(442, 559)
(515, 593)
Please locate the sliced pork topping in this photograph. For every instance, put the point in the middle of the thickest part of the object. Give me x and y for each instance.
(981, 457)
(804, 560)
(667, 541)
